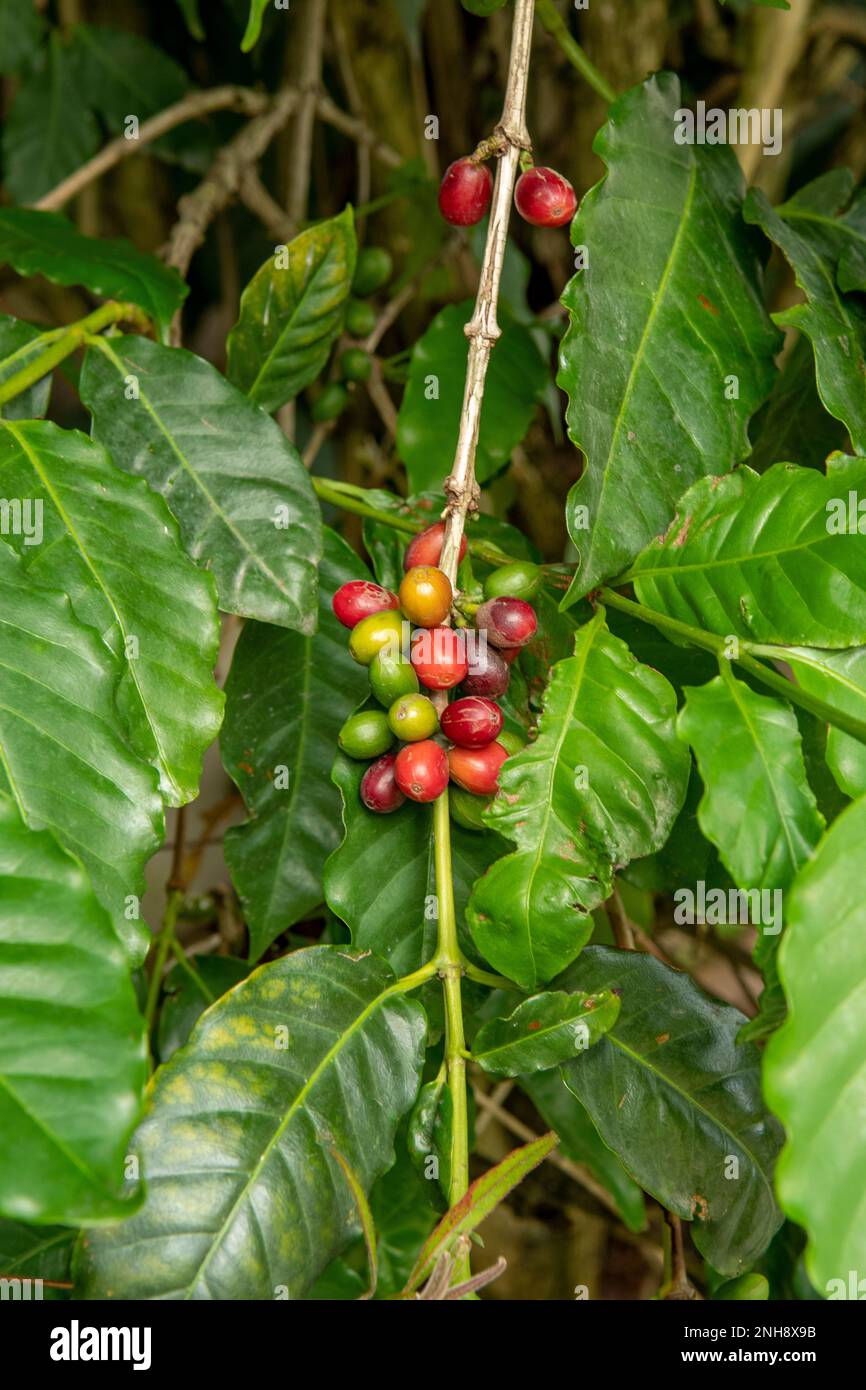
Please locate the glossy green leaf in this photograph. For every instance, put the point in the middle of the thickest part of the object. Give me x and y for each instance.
(63, 754)
(404, 1218)
(72, 1047)
(151, 605)
(823, 246)
(601, 784)
(543, 1031)
(291, 313)
(815, 1065)
(244, 1198)
(757, 557)
(794, 424)
(23, 30)
(429, 418)
(667, 312)
(123, 73)
(679, 1100)
(580, 1141)
(758, 808)
(381, 881)
(49, 131)
(482, 1197)
(36, 1252)
(840, 679)
(185, 998)
(287, 699)
(17, 340)
(241, 495)
(44, 243)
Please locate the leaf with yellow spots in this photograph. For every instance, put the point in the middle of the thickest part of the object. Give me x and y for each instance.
(245, 1198)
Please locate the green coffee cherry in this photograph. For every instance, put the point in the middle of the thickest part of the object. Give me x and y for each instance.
(360, 318)
(390, 677)
(366, 734)
(330, 404)
(517, 580)
(370, 635)
(373, 269)
(356, 365)
(466, 809)
(511, 742)
(412, 718)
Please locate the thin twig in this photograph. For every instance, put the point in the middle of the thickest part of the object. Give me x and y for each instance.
(189, 108)
(310, 76)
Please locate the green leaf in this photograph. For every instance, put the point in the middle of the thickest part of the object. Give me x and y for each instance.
(668, 310)
(242, 497)
(404, 1218)
(36, 1252)
(124, 73)
(49, 133)
(794, 423)
(254, 25)
(63, 756)
(814, 1065)
(542, 1032)
(602, 784)
(185, 999)
(243, 1195)
(23, 30)
(758, 808)
(150, 604)
(840, 679)
(287, 699)
(429, 418)
(581, 1142)
(44, 243)
(824, 250)
(475, 1206)
(291, 313)
(16, 338)
(757, 557)
(381, 881)
(678, 1099)
(72, 1048)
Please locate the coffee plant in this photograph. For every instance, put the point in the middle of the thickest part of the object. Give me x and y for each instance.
(542, 836)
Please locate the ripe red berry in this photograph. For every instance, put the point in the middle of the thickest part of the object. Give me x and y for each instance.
(544, 198)
(439, 657)
(425, 595)
(426, 547)
(379, 790)
(421, 770)
(508, 622)
(359, 599)
(476, 770)
(465, 192)
(471, 722)
(487, 673)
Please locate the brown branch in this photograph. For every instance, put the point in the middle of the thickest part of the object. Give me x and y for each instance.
(310, 76)
(189, 108)
(357, 130)
(262, 205)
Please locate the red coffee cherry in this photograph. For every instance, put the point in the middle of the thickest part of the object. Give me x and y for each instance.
(425, 595)
(471, 722)
(426, 547)
(421, 770)
(379, 790)
(544, 198)
(508, 622)
(487, 674)
(359, 599)
(465, 192)
(439, 657)
(476, 770)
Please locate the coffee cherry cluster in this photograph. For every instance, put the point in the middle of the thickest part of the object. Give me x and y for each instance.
(468, 745)
(542, 196)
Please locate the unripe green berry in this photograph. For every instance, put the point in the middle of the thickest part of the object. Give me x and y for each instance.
(412, 718)
(517, 580)
(330, 404)
(360, 318)
(366, 734)
(373, 269)
(467, 809)
(392, 676)
(356, 365)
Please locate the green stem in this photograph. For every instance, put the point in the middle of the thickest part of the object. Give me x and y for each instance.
(189, 969)
(163, 946)
(556, 25)
(450, 965)
(711, 642)
(66, 341)
(486, 977)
